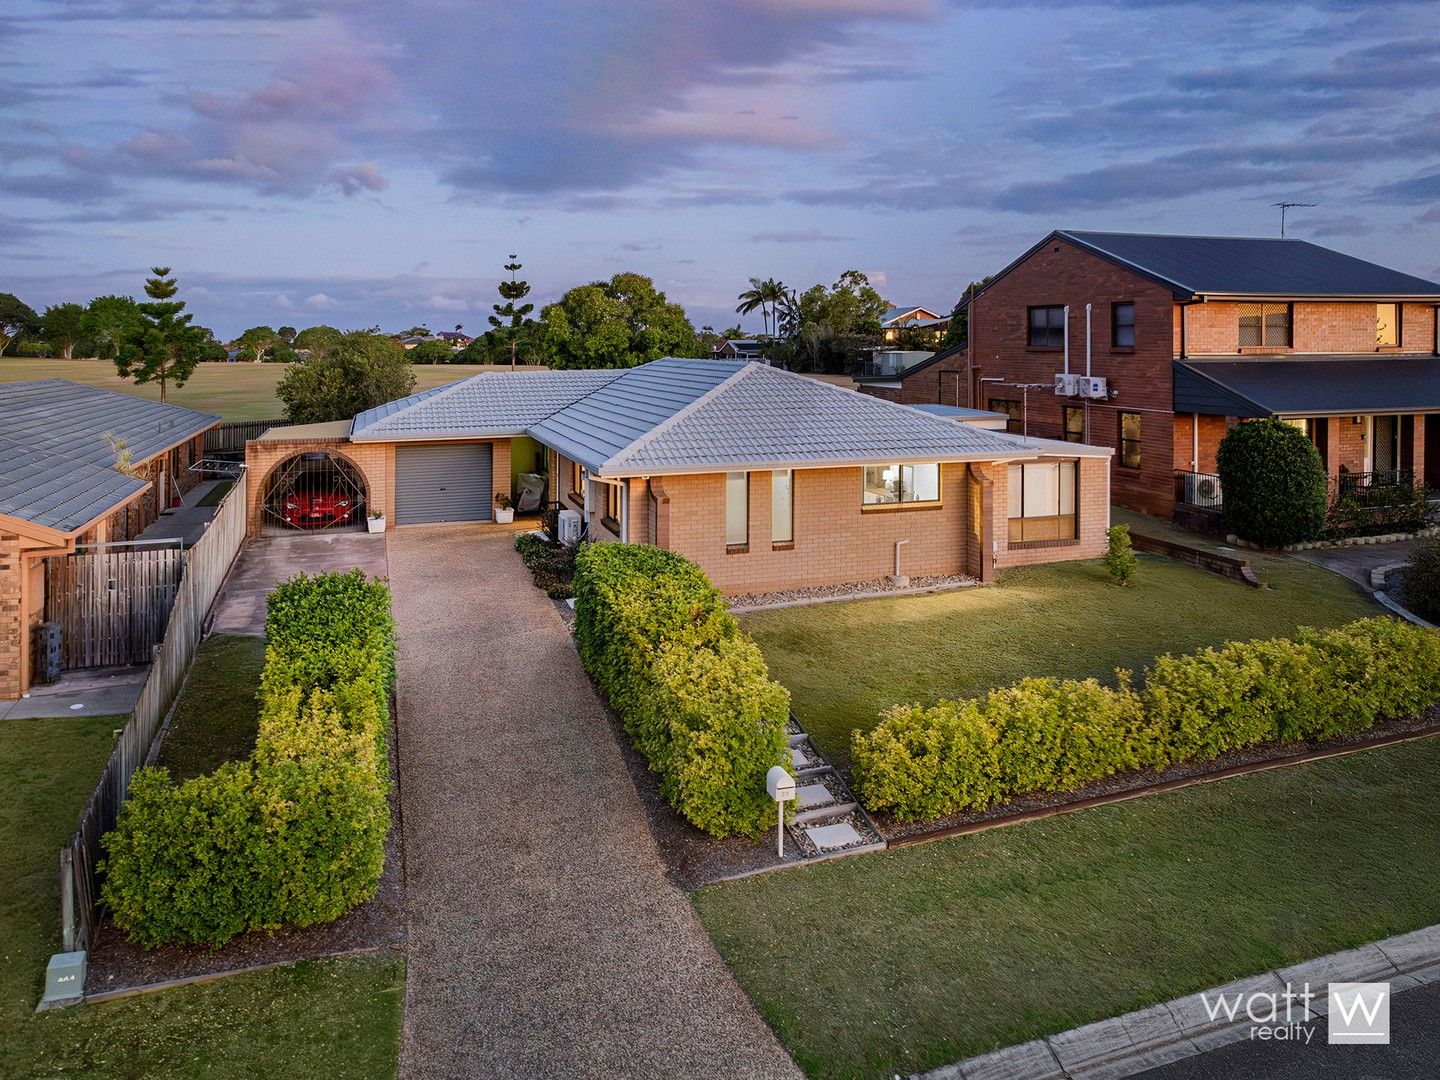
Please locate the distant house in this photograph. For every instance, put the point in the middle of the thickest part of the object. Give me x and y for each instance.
(1163, 343)
(932, 324)
(454, 337)
(738, 349)
(61, 485)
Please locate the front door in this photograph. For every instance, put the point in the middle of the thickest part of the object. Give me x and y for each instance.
(1384, 444)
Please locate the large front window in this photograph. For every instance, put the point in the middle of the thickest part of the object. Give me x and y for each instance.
(900, 484)
(1266, 325)
(1042, 501)
(1047, 327)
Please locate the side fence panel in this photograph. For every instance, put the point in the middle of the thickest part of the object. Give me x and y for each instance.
(206, 565)
(229, 438)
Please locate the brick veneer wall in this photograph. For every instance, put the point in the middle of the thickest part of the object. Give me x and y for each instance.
(374, 461)
(1331, 327)
(12, 620)
(1212, 431)
(1092, 510)
(1061, 273)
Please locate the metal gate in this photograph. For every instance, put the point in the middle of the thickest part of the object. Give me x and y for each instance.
(442, 482)
(112, 606)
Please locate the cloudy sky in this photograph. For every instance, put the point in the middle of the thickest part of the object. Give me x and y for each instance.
(374, 161)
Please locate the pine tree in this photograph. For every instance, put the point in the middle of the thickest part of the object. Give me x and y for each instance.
(164, 347)
(511, 291)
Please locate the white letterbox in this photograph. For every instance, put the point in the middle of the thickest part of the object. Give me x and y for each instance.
(780, 784)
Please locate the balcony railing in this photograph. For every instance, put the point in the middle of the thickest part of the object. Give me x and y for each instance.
(1199, 489)
(1373, 487)
(889, 365)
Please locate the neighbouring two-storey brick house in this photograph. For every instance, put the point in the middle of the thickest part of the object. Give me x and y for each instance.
(1183, 336)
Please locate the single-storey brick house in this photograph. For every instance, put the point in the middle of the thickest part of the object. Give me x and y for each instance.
(60, 486)
(767, 479)
(1184, 336)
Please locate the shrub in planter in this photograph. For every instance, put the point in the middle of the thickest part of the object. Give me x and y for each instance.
(691, 689)
(1276, 490)
(1421, 580)
(296, 834)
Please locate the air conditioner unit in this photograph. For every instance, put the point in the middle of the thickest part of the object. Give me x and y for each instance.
(1202, 490)
(1066, 385)
(568, 526)
(1092, 387)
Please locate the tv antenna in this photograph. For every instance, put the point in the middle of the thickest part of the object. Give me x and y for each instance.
(1286, 206)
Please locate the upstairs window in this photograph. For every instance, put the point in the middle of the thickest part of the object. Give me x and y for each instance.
(1047, 327)
(1387, 325)
(1074, 423)
(1122, 325)
(1013, 409)
(1265, 325)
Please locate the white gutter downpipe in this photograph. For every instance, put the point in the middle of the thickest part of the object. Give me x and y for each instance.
(1067, 339)
(1087, 341)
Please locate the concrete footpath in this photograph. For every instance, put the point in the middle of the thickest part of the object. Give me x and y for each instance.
(1181, 1029)
(544, 938)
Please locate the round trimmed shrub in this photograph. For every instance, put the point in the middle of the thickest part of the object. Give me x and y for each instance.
(1275, 488)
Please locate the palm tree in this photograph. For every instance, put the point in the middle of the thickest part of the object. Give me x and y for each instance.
(764, 295)
(787, 313)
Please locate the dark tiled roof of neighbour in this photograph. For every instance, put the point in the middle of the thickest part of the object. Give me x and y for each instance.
(73, 420)
(1250, 266)
(1308, 386)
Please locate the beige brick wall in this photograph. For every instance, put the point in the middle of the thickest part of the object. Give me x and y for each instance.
(1317, 328)
(1092, 508)
(836, 540)
(13, 649)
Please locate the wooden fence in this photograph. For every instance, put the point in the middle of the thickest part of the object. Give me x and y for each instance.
(206, 564)
(229, 438)
(112, 605)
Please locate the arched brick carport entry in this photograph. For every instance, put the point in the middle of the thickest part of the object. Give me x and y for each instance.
(281, 459)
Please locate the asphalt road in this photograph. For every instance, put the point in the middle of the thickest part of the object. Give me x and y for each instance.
(1414, 1051)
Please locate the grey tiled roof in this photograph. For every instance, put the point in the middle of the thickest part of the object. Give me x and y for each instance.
(602, 424)
(491, 403)
(1252, 266)
(56, 464)
(56, 491)
(764, 417)
(68, 418)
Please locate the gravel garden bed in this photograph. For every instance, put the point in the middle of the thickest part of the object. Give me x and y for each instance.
(853, 590)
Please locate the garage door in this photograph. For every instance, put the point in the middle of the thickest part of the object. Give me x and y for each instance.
(445, 482)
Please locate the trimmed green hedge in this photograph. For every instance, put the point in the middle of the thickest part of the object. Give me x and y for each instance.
(1059, 735)
(295, 835)
(692, 690)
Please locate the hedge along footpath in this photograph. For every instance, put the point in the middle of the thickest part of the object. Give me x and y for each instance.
(691, 688)
(295, 835)
(1056, 735)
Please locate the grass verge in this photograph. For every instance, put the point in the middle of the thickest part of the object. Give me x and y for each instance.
(908, 960)
(336, 1018)
(218, 712)
(1064, 619)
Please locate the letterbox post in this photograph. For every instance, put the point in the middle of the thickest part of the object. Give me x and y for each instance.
(781, 786)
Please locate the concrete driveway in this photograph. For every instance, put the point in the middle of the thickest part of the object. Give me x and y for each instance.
(1357, 561)
(268, 560)
(544, 938)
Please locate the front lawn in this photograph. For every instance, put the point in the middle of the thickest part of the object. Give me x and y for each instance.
(337, 1018)
(216, 718)
(846, 663)
(908, 960)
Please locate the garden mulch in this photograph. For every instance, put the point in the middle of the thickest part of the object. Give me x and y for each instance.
(117, 967)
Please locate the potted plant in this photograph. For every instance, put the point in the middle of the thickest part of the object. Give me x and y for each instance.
(504, 508)
(376, 522)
